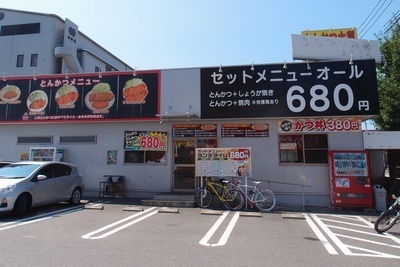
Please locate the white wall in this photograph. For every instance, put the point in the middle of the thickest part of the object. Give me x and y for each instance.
(180, 89)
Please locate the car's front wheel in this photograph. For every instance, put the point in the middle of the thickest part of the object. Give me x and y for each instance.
(21, 205)
(75, 197)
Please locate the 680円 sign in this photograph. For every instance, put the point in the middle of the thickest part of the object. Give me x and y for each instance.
(319, 89)
(145, 140)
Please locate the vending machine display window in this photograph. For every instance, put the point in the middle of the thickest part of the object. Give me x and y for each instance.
(350, 179)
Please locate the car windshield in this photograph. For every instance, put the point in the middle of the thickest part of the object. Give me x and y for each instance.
(16, 171)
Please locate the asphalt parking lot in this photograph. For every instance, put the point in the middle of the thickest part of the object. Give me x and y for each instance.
(102, 232)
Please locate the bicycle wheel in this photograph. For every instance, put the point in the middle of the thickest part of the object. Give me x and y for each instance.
(385, 221)
(265, 200)
(234, 199)
(203, 198)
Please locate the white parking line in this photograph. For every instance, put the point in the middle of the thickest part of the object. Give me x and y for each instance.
(37, 218)
(225, 236)
(350, 250)
(91, 235)
(321, 237)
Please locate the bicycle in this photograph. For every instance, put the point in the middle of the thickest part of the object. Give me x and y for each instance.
(264, 200)
(233, 199)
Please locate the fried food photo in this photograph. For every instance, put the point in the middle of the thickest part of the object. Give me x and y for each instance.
(10, 93)
(135, 91)
(66, 95)
(37, 100)
(100, 97)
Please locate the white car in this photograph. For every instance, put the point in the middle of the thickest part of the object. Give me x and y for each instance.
(28, 184)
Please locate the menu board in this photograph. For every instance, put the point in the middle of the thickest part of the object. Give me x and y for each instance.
(145, 140)
(80, 97)
(244, 130)
(231, 162)
(194, 130)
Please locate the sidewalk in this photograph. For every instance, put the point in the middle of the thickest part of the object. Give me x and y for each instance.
(186, 201)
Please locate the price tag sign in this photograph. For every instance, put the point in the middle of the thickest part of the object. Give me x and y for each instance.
(305, 125)
(145, 140)
(315, 89)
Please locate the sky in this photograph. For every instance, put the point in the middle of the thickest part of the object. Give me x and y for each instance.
(168, 34)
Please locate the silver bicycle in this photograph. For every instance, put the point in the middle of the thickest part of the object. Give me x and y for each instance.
(264, 199)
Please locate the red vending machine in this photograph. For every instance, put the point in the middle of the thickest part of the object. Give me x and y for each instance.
(350, 179)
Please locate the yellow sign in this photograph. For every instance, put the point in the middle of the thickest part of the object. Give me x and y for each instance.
(350, 33)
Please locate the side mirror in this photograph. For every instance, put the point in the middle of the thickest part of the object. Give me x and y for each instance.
(41, 177)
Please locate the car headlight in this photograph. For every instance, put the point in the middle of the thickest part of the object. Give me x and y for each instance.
(7, 189)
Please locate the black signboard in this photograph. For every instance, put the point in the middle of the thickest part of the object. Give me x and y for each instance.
(194, 130)
(244, 130)
(290, 90)
(85, 97)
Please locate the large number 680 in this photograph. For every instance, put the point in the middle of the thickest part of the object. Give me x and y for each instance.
(150, 142)
(319, 101)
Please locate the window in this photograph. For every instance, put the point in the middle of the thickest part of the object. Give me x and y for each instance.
(141, 156)
(35, 140)
(18, 29)
(55, 170)
(303, 148)
(91, 139)
(20, 60)
(34, 60)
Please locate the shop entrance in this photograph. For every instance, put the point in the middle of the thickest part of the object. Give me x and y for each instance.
(184, 169)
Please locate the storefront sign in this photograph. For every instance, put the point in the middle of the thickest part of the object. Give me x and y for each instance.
(232, 162)
(315, 89)
(350, 33)
(80, 97)
(320, 125)
(194, 130)
(138, 140)
(244, 130)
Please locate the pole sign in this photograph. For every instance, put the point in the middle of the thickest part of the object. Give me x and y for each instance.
(319, 89)
(350, 33)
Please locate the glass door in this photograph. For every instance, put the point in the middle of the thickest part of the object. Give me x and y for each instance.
(184, 162)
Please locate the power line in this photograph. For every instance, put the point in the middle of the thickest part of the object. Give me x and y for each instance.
(369, 15)
(377, 18)
(369, 21)
(392, 22)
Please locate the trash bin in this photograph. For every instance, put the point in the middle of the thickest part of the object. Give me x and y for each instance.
(379, 197)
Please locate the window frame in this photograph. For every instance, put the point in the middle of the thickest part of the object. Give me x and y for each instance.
(146, 156)
(302, 150)
(34, 60)
(20, 61)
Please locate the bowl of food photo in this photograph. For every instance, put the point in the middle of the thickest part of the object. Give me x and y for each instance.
(37, 101)
(66, 95)
(100, 97)
(135, 91)
(10, 93)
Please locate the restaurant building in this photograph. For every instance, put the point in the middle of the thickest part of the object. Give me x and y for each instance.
(145, 126)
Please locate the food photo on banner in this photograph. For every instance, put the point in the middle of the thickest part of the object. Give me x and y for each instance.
(332, 88)
(89, 97)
